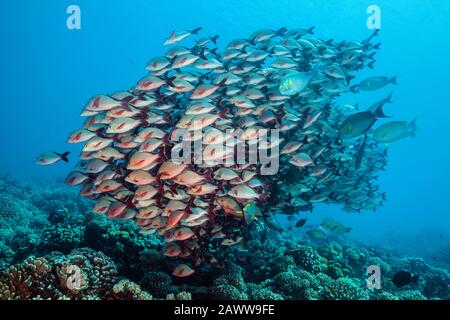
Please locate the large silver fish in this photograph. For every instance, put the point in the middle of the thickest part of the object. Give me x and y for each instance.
(395, 130)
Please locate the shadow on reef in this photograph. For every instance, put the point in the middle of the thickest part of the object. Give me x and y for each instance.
(46, 228)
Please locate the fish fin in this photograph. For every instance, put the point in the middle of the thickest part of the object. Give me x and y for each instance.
(412, 127)
(222, 82)
(170, 80)
(227, 64)
(64, 156)
(195, 31)
(214, 38)
(340, 44)
(209, 178)
(389, 97)
(379, 113)
(349, 78)
(329, 42)
(202, 54)
(213, 51)
(305, 140)
(310, 30)
(354, 88)
(360, 154)
(371, 56)
(393, 80)
(294, 50)
(281, 31)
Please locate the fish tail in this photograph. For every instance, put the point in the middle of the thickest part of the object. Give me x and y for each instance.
(202, 54)
(413, 123)
(310, 30)
(389, 97)
(379, 113)
(244, 48)
(412, 127)
(144, 120)
(370, 65)
(372, 55)
(377, 46)
(209, 176)
(281, 31)
(349, 78)
(64, 156)
(214, 51)
(124, 102)
(166, 138)
(294, 51)
(340, 44)
(393, 80)
(170, 80)
(374, 34)
(195, 31)
(222, 82)
(354, 88)
(214, 38)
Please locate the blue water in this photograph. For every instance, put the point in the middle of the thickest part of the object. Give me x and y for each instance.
(48, 73)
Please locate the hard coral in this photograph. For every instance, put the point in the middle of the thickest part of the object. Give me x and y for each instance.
(127, 290)
(47, 277)
(62, 237)
(230, 286)
(308, 259)
(342, 289)
(157, 283)
(33, 278)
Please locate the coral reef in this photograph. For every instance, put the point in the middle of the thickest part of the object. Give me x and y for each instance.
(50, 277)
(39, 256)
(127, 290)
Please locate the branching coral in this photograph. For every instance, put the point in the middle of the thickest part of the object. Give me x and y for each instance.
(127, 290)
(230, 285)
(308, 259)
(33, 278)
(62, 237)
(157, 283)
(263, 268)
(342, 289)
(48, 277)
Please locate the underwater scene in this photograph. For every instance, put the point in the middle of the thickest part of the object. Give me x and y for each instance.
(225, 150)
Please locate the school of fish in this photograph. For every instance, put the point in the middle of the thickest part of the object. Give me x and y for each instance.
(282, 79)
